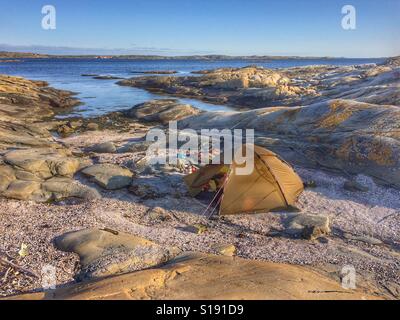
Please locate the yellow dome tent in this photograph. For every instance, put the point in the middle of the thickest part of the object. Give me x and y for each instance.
(272, 184)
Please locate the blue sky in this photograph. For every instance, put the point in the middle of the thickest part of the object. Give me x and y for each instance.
(179, 27)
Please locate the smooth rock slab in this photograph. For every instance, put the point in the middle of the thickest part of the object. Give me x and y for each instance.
(6, 177)
(162, 110)
(43, 162)
(354, 186)
(26, 176)
(105, 147)
(109, 176)
(60, 188)
(202, 276)
(16, 135)
(107, 252)
(22, 190)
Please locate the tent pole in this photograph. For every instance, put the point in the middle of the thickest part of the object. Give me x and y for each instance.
(216, 205)
(209, 205)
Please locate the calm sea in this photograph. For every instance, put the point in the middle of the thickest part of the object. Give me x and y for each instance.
(102, 96)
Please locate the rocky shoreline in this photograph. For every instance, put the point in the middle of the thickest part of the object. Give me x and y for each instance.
(257, 87)
(90, 177)
(344, 119)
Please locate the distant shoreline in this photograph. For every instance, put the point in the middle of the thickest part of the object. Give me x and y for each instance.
(28, 55)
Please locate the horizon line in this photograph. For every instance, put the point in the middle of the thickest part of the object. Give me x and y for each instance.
(185, 55)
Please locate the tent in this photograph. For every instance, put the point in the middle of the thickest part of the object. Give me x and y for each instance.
(272, 184)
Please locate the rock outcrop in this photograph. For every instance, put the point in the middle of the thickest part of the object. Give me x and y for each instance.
(308, 226)
(107, 252)
(343, 135)
(107, 77)
(156, 72)
(256, 87)
(30, 100)
(109, 176)
(200, 276)
(41, 174)
(58, 188)
(42, 163)
(370, 83)
(228, 85)
(104, 147)
(33, 166)
(394, 61)
(162, 110)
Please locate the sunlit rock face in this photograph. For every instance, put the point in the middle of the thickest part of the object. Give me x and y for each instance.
(33, 166)
(161, 110)
(257, 87)
(345, 135)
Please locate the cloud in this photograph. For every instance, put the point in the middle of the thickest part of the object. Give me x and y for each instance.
(65, 50)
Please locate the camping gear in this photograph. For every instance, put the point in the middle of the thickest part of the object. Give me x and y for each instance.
(272, 184)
